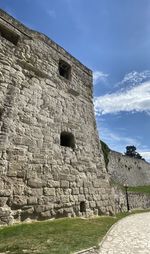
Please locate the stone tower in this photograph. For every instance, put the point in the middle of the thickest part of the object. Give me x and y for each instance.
(51, 164)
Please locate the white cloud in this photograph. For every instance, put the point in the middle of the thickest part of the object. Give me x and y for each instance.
(99, 76)
(145, 155)
(135, 99)
(115, 141)
(118, 142)
(134, 78)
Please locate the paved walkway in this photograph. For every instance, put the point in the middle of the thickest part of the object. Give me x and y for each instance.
(131, 235)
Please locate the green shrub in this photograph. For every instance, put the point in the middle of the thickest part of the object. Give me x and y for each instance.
(105, 150)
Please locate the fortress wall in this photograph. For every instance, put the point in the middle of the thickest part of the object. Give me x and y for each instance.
(40, 178)
(120, 199)
(135, 200)
(128, 171)
(139, 200)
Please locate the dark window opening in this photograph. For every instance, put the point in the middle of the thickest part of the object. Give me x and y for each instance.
(67, 139)
(82, 207)
(64, 69)
(9, 35)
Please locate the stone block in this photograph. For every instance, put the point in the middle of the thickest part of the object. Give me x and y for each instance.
(39, 208)
(5, 193)
(64, 199)
(53, 184)
(92, 204)
(33, 192)
(32, 200)
(67, 191)
(73, 185)
(81, 191)
(85, 190)
(18, 189)
(4, 212)
(3, 201)
(46, 200)
(35, 183)
(49, 191)
(99, 203)
(18, 201)
(26, 212)
(87, 184)
(63, 177)
(64, 184)
(91, 190)
(96, 183)
(46, 215)
(81, 198)
(75, 191)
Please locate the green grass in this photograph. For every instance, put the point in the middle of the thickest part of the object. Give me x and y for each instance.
(140, 189)
(137, 189)
(62, 236)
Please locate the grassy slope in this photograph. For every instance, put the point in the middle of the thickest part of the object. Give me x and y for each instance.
(62, 236)
(140, 189)
(59, 236)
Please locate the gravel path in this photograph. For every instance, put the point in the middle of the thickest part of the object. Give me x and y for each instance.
(131, 235)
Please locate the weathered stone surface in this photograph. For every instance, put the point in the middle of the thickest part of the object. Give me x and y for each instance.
(5, 193)
(139, 200)
(64, 184)
(135, 200)
(32, 200)
(44, 174)
(49, 191)
(128, 171)
(35, 183)
(17, 201)
(3, 201)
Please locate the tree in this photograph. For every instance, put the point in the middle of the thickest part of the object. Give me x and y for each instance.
(131, 151)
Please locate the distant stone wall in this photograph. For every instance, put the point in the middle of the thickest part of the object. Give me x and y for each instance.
(139, 200)
(135, 200)
(51, 164)
(128, 171)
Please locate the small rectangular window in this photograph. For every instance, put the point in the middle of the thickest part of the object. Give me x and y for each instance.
(8, 34)
(82, 207)
(67, 139)
(64, 69)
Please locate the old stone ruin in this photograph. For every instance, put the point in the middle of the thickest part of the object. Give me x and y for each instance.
(128, 172)
(51, 164)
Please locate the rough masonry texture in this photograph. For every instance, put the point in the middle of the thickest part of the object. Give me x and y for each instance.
(127, 170)
(51, 164)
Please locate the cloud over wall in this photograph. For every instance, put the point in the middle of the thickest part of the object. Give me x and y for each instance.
(135, 99)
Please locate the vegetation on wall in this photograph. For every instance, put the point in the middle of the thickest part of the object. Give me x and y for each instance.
(131, 151)
(105, 150)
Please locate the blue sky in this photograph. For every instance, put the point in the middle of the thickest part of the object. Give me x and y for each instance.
(111, 37)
